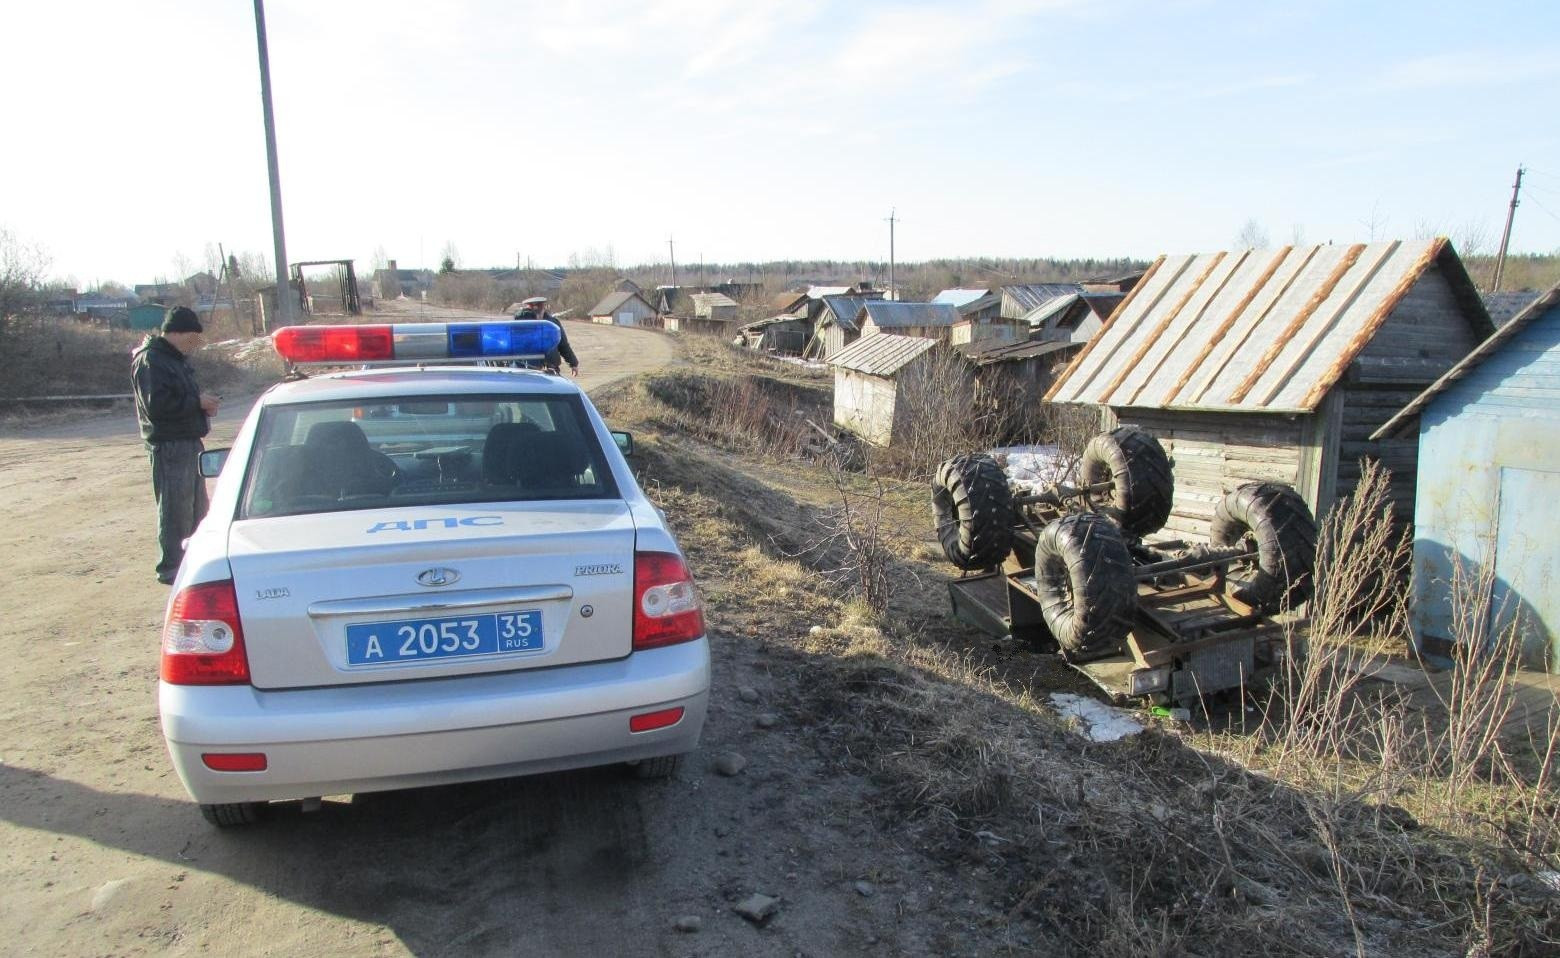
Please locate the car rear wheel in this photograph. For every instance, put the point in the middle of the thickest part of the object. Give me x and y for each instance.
(234, 814)
(662, 766)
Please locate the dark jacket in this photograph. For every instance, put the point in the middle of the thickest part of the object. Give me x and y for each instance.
(563, 348)
(167, 400)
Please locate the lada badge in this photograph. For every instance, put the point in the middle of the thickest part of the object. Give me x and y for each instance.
(437, 577)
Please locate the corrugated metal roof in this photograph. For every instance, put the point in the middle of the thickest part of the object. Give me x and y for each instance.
(881, 355)
(1267, 330)
(1538, 306)
(707, 300)
(819, 292)
(844, 309)
(1503, 306)
(1100, 303)
(986, 352)
(772, 321)
(1032, 295)
(611, 302)
(899, 315)
(977, 305)
(958, 296)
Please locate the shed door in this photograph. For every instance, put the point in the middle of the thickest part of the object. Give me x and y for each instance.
(625, 318)
(1527, 557)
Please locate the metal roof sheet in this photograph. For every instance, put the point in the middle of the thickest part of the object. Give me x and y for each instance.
(958, 296)
(844, 309)
(881, 355)
(897, 315)
(1028, 296)
(707, 300)
(1538, 306)
(1251, 330)
(610, 303)
(820, 292)
(986, 352)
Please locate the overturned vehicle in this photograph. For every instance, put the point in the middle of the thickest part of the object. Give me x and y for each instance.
(1076, 568)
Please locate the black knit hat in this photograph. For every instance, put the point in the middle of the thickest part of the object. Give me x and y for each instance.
(182, 319)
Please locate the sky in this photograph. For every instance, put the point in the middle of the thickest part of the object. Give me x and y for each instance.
(749, 130)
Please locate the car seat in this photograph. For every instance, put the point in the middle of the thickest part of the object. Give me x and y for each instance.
(339, 462)
(507, 446)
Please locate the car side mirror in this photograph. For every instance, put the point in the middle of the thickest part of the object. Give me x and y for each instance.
(625, 442)
(212, 461)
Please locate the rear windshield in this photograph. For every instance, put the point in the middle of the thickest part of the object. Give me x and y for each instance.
(424, 450)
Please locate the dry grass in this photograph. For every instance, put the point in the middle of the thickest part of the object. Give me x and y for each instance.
(1344, 820)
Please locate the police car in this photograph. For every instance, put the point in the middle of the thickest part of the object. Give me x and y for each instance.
(424, 574)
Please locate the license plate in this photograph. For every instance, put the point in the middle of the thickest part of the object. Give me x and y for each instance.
(416, 640)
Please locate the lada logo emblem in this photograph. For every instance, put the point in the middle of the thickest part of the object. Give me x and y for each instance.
(438, 577)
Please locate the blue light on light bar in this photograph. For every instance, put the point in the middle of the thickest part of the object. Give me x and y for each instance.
(524, 337)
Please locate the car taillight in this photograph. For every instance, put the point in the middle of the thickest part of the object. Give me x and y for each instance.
(667, 609)
(203, 641)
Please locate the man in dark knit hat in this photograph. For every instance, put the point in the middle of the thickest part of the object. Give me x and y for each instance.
(174, 416)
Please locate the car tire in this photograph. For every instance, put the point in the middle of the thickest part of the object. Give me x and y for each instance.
(1144, 486)
(974, 511)
(1083, 575)
(234, 814)
(1277, 519)
(662, 766)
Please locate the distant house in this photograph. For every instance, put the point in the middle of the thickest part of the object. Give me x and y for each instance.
(626, 285)
(1489, 479)
(783, 335)
(874, 382)
(986, 309)
(1021, 300)
(1074, 318)
(959, 296)
(167, 294)
(393, 283)
(740, 290)
(714, 313)
(1115, 284)
(790, 302)
(1280, 365)
(623, 309)
(929, 320)
(673, 301)
(835, 327)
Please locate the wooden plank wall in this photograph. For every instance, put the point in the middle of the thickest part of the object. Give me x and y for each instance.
(1216, 452)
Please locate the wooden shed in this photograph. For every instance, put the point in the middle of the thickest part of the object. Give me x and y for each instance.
(1022, 299)
(871, 376)
(1012, 377)
(1074, 318)
(834, 327)
(624, 308)
(1489, 482)
(1280, 364)
(928, 320)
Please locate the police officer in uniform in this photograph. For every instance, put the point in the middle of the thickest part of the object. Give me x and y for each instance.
(174, 416)
(536, 308)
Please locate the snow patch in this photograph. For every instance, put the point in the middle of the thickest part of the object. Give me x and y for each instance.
(1031, 469)
(1095, 720)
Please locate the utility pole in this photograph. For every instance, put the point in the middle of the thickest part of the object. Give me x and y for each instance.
(283, 291)
(1505, 235)
(671, 254)
(891, 295)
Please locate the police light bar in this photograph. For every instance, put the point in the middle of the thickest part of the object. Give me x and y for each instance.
(416, 342)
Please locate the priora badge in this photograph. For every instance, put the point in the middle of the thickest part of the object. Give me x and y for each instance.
(437, 577)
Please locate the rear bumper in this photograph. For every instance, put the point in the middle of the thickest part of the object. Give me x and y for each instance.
(411, 734)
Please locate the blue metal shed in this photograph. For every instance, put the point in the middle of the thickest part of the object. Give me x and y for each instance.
(1489, 484)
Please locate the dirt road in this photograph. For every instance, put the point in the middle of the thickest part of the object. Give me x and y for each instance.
(104, 854)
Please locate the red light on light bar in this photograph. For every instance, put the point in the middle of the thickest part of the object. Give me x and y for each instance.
(655, 720)
(334, 344)
(234, 761)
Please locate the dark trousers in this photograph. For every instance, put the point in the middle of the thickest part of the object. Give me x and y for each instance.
(181, 498)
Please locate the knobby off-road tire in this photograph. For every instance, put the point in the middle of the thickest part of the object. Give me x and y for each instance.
(1083, 573)
(234, 814)
(974, 511)
(1275, 517)
(1137, 464)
